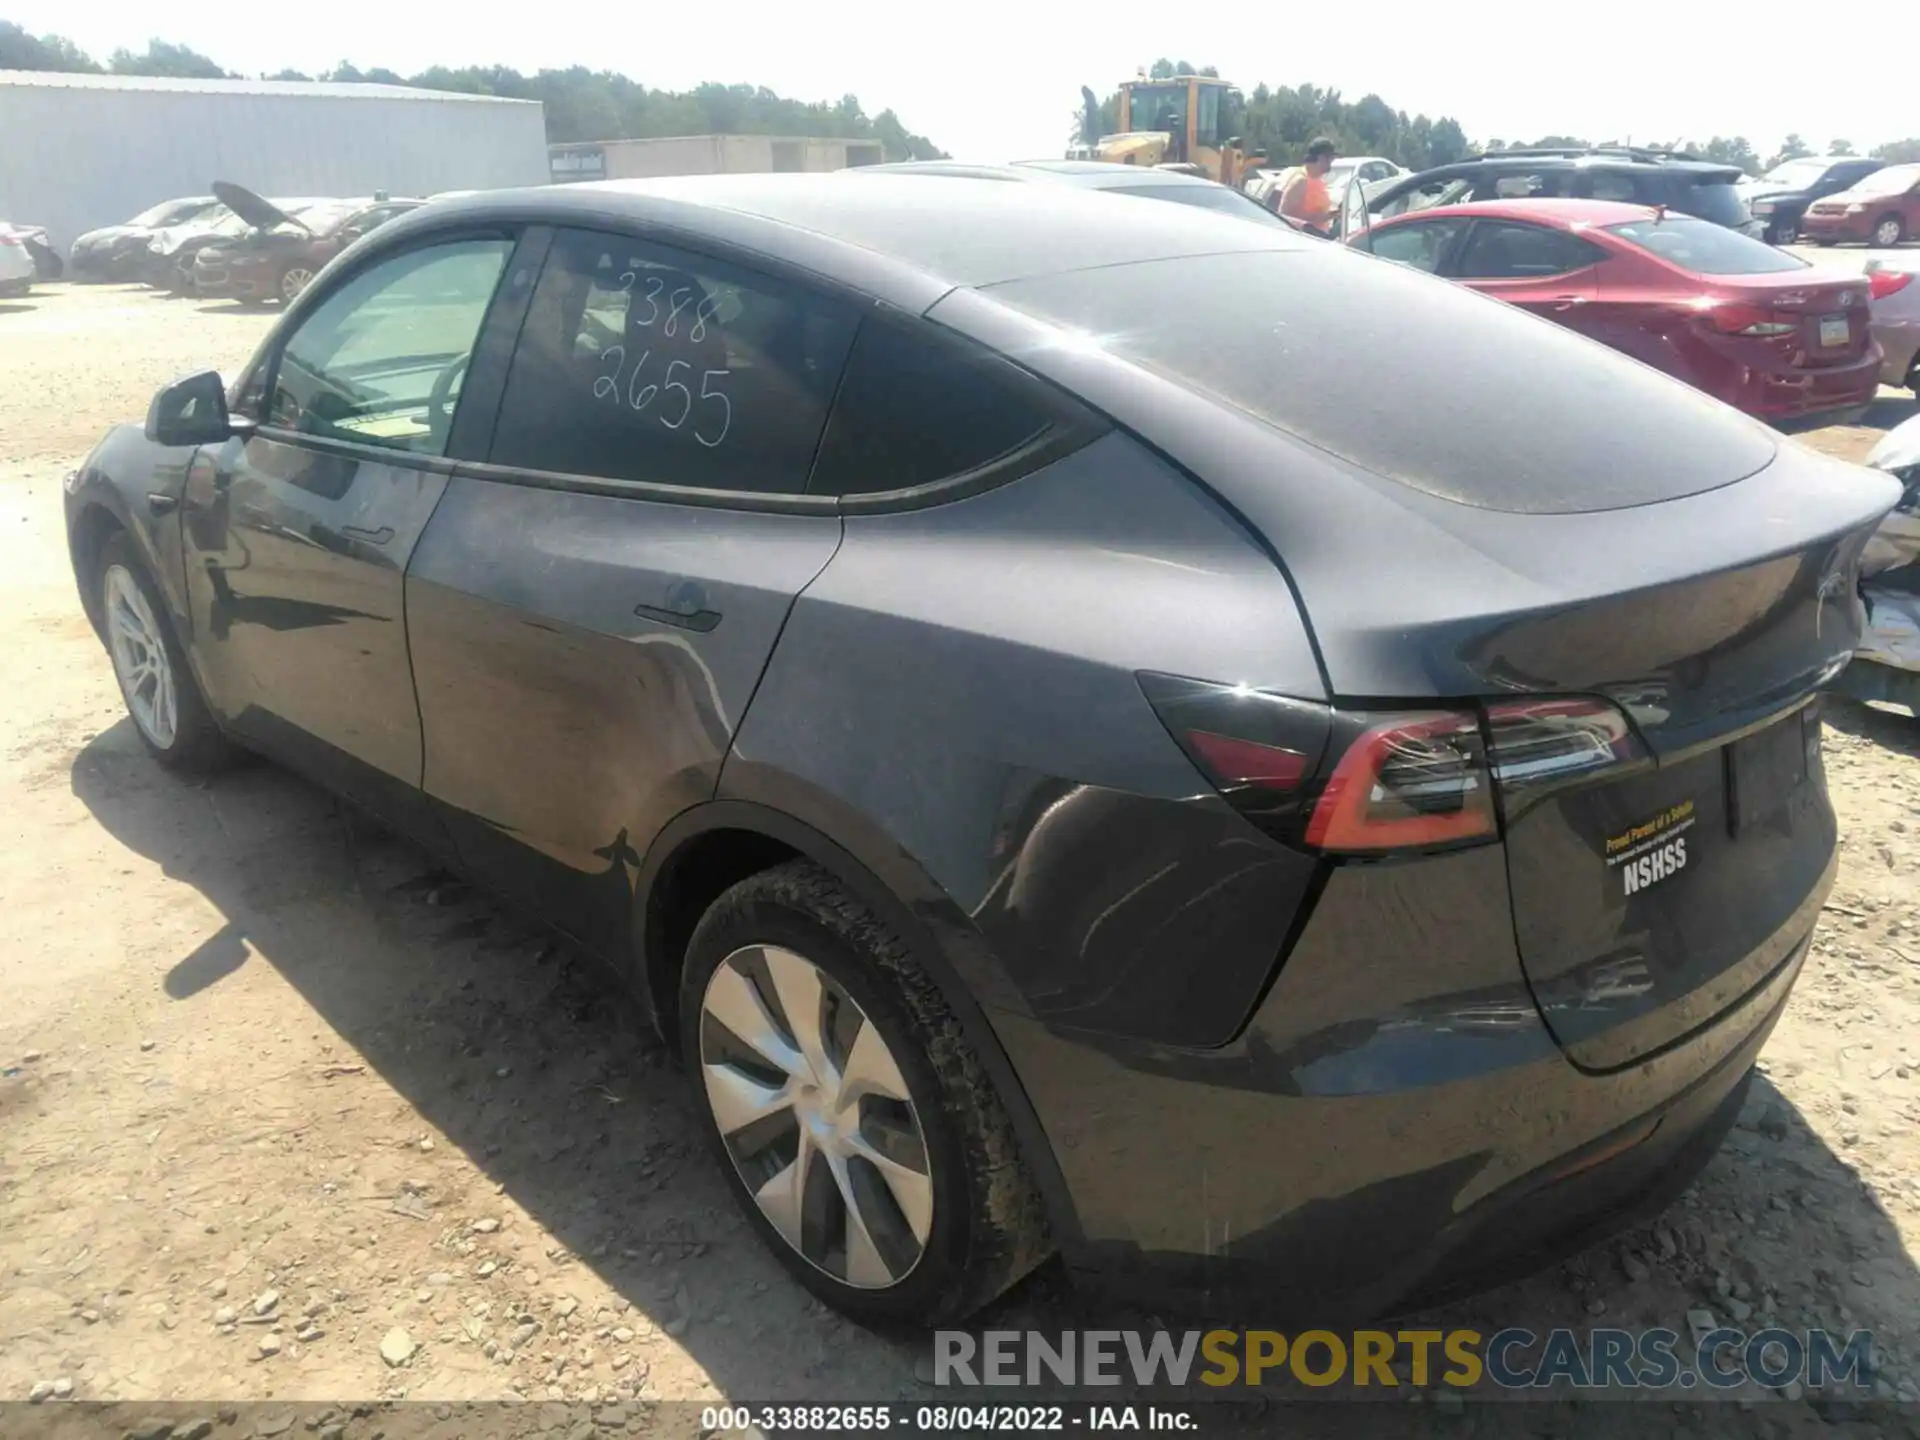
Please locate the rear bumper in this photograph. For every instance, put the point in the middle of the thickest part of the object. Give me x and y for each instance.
(1806, 393)
(1385, 1133)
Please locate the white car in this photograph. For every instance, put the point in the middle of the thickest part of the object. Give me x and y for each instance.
(16, 262)
(1369, 170)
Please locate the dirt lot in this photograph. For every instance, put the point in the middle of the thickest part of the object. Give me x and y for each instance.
(273, 1090)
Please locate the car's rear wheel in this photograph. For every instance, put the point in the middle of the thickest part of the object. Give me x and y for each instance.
(293, 280)
(855, 1122)
(161, 696)
(1785, 233)
(1888, 231)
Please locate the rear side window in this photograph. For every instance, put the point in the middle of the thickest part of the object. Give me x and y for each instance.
(644, 363)
(1705, 248)
(1526, 185)
(1612, 185)
(1505, 250)
(916, 408)
(1715, 200)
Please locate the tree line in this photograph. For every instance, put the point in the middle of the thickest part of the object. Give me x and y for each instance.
(1281, 121)
(581, 104)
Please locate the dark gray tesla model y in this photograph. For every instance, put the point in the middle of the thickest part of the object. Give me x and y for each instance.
(1094, 727)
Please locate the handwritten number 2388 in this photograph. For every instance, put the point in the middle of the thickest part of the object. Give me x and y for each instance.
(638, 397)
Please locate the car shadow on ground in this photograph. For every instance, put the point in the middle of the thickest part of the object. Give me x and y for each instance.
(1890, 730)
(1888, 411)
(232, 307)
(534, 1065)
(16, 307)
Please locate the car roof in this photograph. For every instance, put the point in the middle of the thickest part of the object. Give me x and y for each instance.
(1562, 214)
(953, 231)
(1585, 160)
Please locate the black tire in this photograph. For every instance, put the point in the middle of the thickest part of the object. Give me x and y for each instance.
(1785, 233)
(1898, 231)
(197, 746)
(988, 1228)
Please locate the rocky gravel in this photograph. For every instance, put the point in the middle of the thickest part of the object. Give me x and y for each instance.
(288, 1115)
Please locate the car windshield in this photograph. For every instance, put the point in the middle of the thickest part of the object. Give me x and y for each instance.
(1206, 197)
(168, 212)
(1704, 248)
(325, 217)
(1796, 173)
(1894, 180)
(1159, 107)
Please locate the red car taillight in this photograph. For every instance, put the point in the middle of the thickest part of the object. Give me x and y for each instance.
(1882, 283)
(1411, 783)
(1356, 783)
(1748, 320)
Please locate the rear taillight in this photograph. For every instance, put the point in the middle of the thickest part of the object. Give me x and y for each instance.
(1413, 782)
(1747, 320)
(1539, 746)
(1366, 783)
(1882, 283)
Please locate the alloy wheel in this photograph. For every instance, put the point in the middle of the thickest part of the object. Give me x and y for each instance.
(1787, 233)
(1887, 233)
(293, 281)
(140, 657)
(816, 1116)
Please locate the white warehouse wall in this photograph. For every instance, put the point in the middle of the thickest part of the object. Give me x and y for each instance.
(78, 152)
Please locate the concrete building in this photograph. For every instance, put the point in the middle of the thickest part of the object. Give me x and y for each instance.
(81, 151)
(707, 155)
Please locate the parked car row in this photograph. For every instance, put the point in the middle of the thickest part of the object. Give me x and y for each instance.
(1749, 324)
(233, 244)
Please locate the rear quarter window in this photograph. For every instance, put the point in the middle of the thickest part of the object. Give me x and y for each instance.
(1706, 248)
(1714, 200)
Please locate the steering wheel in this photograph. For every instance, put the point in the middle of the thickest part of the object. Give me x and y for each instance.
(441, 400)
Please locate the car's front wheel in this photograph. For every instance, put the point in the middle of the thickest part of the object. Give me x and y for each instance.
(1888, 231)
(858, 1129)
(161, 696)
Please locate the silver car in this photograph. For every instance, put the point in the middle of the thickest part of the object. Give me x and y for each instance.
(1896, 319)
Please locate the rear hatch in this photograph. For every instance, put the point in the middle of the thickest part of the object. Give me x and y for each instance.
(1638, 589)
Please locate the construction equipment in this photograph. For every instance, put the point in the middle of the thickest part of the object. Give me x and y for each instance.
(1177, 121)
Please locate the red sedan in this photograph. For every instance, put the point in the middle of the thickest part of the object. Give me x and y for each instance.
(1750, 325)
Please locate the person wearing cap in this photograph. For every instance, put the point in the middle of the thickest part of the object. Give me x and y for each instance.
(1305, 200)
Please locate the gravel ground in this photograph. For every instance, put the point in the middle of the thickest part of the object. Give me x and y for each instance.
(287, 1114)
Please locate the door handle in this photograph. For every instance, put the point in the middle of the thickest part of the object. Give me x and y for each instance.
(1567, 302)
(691, 618)
(372, 537)
(159, 505)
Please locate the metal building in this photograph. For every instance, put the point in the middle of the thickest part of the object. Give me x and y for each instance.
(81, 151)
(708, 155)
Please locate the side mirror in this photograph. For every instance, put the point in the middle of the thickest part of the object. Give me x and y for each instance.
(350, 234)
(190, 411)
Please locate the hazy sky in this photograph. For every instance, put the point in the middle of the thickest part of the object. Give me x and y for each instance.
(995, 80)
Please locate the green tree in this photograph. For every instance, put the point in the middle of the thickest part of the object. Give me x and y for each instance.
(1840, 147)
(1899, 152)
(1792, 148)
(162, 58)
(1734, 151)
(21, 51)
